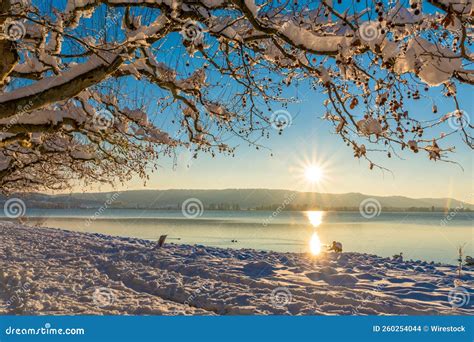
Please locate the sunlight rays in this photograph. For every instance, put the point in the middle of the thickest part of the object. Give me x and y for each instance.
(312, 172)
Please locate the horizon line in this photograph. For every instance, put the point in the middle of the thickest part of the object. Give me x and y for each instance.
(223, 189)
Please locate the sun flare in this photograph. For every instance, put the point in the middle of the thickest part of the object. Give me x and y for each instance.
(313, 173)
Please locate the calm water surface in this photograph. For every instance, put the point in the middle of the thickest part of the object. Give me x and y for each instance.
(417, 235)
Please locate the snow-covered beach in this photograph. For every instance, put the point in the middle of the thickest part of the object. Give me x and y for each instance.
(57, 272)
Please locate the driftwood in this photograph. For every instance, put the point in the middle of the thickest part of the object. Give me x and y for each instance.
(161, 241)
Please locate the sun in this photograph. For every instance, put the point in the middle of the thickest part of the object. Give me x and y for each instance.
(313, 173)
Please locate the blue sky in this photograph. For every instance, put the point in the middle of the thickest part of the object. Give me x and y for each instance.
(309, 140)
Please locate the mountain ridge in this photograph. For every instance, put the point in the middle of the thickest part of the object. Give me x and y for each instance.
(243, 198)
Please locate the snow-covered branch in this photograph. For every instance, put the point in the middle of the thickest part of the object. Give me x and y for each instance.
(99, 89)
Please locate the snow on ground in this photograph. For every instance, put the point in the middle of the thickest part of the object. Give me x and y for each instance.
(57, 272)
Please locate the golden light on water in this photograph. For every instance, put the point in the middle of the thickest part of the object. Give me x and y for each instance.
(315, 244)
(315, 218)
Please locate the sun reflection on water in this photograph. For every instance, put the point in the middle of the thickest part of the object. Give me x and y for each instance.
(315, 219)
(315, 244)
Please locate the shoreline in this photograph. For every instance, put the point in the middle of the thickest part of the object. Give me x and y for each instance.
(181, 228)
(59, 272)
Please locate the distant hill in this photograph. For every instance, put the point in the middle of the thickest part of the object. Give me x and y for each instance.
(232, 199)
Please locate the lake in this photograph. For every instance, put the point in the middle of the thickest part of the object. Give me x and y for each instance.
(421, 236)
